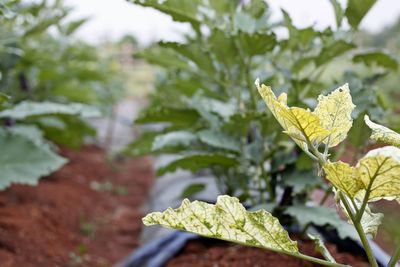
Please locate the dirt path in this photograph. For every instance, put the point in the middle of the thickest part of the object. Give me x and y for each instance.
(86, 214)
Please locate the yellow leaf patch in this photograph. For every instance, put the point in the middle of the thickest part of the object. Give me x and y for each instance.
(329, 123)
(378, 173)
(334, 112)
(227, 220)
(382, 134)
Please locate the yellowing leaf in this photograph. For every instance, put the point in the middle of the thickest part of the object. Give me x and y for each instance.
(299, 123)
(227, 220)
(382, 134)
(334, 112)
(343, 177)
(378, 173)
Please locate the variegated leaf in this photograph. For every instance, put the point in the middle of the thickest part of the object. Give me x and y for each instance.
(343, 176)
(334, 112)
(298, 123)
(378, 173)
(227, 220)
(382, 134)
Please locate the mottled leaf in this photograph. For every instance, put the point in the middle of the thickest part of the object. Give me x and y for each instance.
(298, 123)
(378, 173)
(382, 134)
(227, 220)
(334, 112)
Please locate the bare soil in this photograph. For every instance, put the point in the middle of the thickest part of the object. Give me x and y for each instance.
(86, 214)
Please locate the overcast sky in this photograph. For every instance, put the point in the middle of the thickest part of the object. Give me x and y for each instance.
(111, 19)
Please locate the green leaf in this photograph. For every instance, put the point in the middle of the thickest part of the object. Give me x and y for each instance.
(194, 52)
(334, 112)
(142, 145)
(24, 162)
(30, 132)
(382, 134)
(332, 51)
(224, 48)
(183, 11)
(197, 162)
(356, 10)
(172, 139)
(65, 130)
(75, 25)
(377, 173)
(322, 216)
(339, 12)
(164, 57)
(227, 220)
(359, 133)
(321, 248)
(3, 97)
(376, 58)
(192, 189)
(174, 116)
(256, 43)
(219, 140)
(28, 109)
(301, 181)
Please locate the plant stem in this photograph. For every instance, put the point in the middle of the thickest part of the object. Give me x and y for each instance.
(360, 231)
(356, 223)
(318, 261)
(395, 257)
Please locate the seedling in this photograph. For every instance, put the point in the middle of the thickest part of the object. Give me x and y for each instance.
(376, 176)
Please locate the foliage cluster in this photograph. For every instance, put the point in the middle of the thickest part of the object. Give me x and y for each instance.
(49, 84)
(375, 177)
(205, 110)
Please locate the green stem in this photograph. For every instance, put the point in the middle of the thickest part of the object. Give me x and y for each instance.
(395, 258)
(360, 231)
(318, 261)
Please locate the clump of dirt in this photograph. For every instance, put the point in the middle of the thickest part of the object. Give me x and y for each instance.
(207, 253)
(86, 214)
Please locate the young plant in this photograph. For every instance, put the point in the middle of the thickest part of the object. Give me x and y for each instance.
(376, 176)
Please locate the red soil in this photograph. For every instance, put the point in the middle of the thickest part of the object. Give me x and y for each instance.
(64, 221)
(210, 253)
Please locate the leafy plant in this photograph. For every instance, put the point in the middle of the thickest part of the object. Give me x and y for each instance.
(206, 114)
(376, 176)
(49, 85)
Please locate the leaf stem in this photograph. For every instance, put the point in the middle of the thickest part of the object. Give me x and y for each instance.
(396, 256)
(318, 261)
(360, 231)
